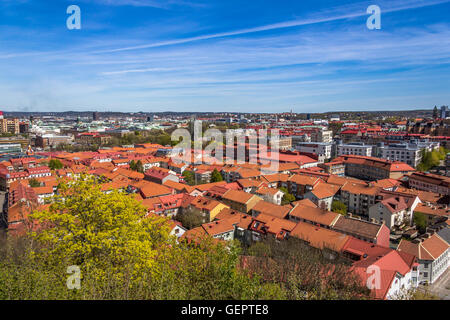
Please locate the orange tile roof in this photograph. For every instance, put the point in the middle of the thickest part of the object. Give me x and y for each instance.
(320, 237)
(151, 189)
(315, 215)
(325, 190)
(238, 196)
(271, 209)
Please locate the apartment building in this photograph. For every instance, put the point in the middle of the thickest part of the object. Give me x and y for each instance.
(10, 125)
(333, 167)
(325, 136)
(430, 182)
(359, 149)
(321, 149)
(404, 152)
(370, 168)
(432, 253)
(358, 197)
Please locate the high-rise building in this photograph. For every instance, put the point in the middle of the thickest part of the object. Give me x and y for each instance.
(444, 111)
(95, 116)
(9, 125)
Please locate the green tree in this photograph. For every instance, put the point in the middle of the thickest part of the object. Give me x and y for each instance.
(122, 253)
(287, 197)
(55, 164)
(34, 183)
(216, 176)
(420, 220)
(339, 207)
(190, 218)
(189, 177)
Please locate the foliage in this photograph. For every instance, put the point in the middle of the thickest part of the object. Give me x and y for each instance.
(137, 137)
(189, 177)
(216, 176)
(34, 183)
(431, 159)
(304, 272)
(420, 220)
(55, 164)
(121, 254)
(339, 207)
(137, 166)
(190, 218)
(287, 197)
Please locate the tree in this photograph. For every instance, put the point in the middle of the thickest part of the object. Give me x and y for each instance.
(121, 252)
(137, 166)
(304, 272)
(190, 218)
(287, 197)
(216, 176)
(339, 207)
(34, 183)
(100, 231)
(420, 220)
(55, 164)
(189, 177)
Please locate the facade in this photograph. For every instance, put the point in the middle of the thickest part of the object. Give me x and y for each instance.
(333, 167)
(325, 136)
(359, 198)
(50, 140)
(408, 153)
(359, 149)
(10, 125)
(430, 182)
(391, 211)
(321, 149)
(432, 254)
(370, 168)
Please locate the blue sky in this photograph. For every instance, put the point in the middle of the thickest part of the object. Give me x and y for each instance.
(245, 56)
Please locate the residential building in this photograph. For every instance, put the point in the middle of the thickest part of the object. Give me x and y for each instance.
(333, 167)
(368, 231)
(322, 195)
(370, 168)
(359, 149)
(8, 125)
(404, 152)
(359, 198)
(321, 149)
(430, 182)
(240, 200)
(322, 135)
(432, 253)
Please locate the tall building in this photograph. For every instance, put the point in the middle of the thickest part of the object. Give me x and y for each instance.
(444, 112)
(95, 116)
(9, 125)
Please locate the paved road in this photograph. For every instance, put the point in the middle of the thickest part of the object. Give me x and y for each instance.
(441, 287)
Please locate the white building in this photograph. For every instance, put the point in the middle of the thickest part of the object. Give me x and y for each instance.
(407, 153)
(322, 149)
(358, 149)
(322, 136)
(432, 253)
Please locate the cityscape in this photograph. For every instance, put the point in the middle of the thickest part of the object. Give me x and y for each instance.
(148, 197)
